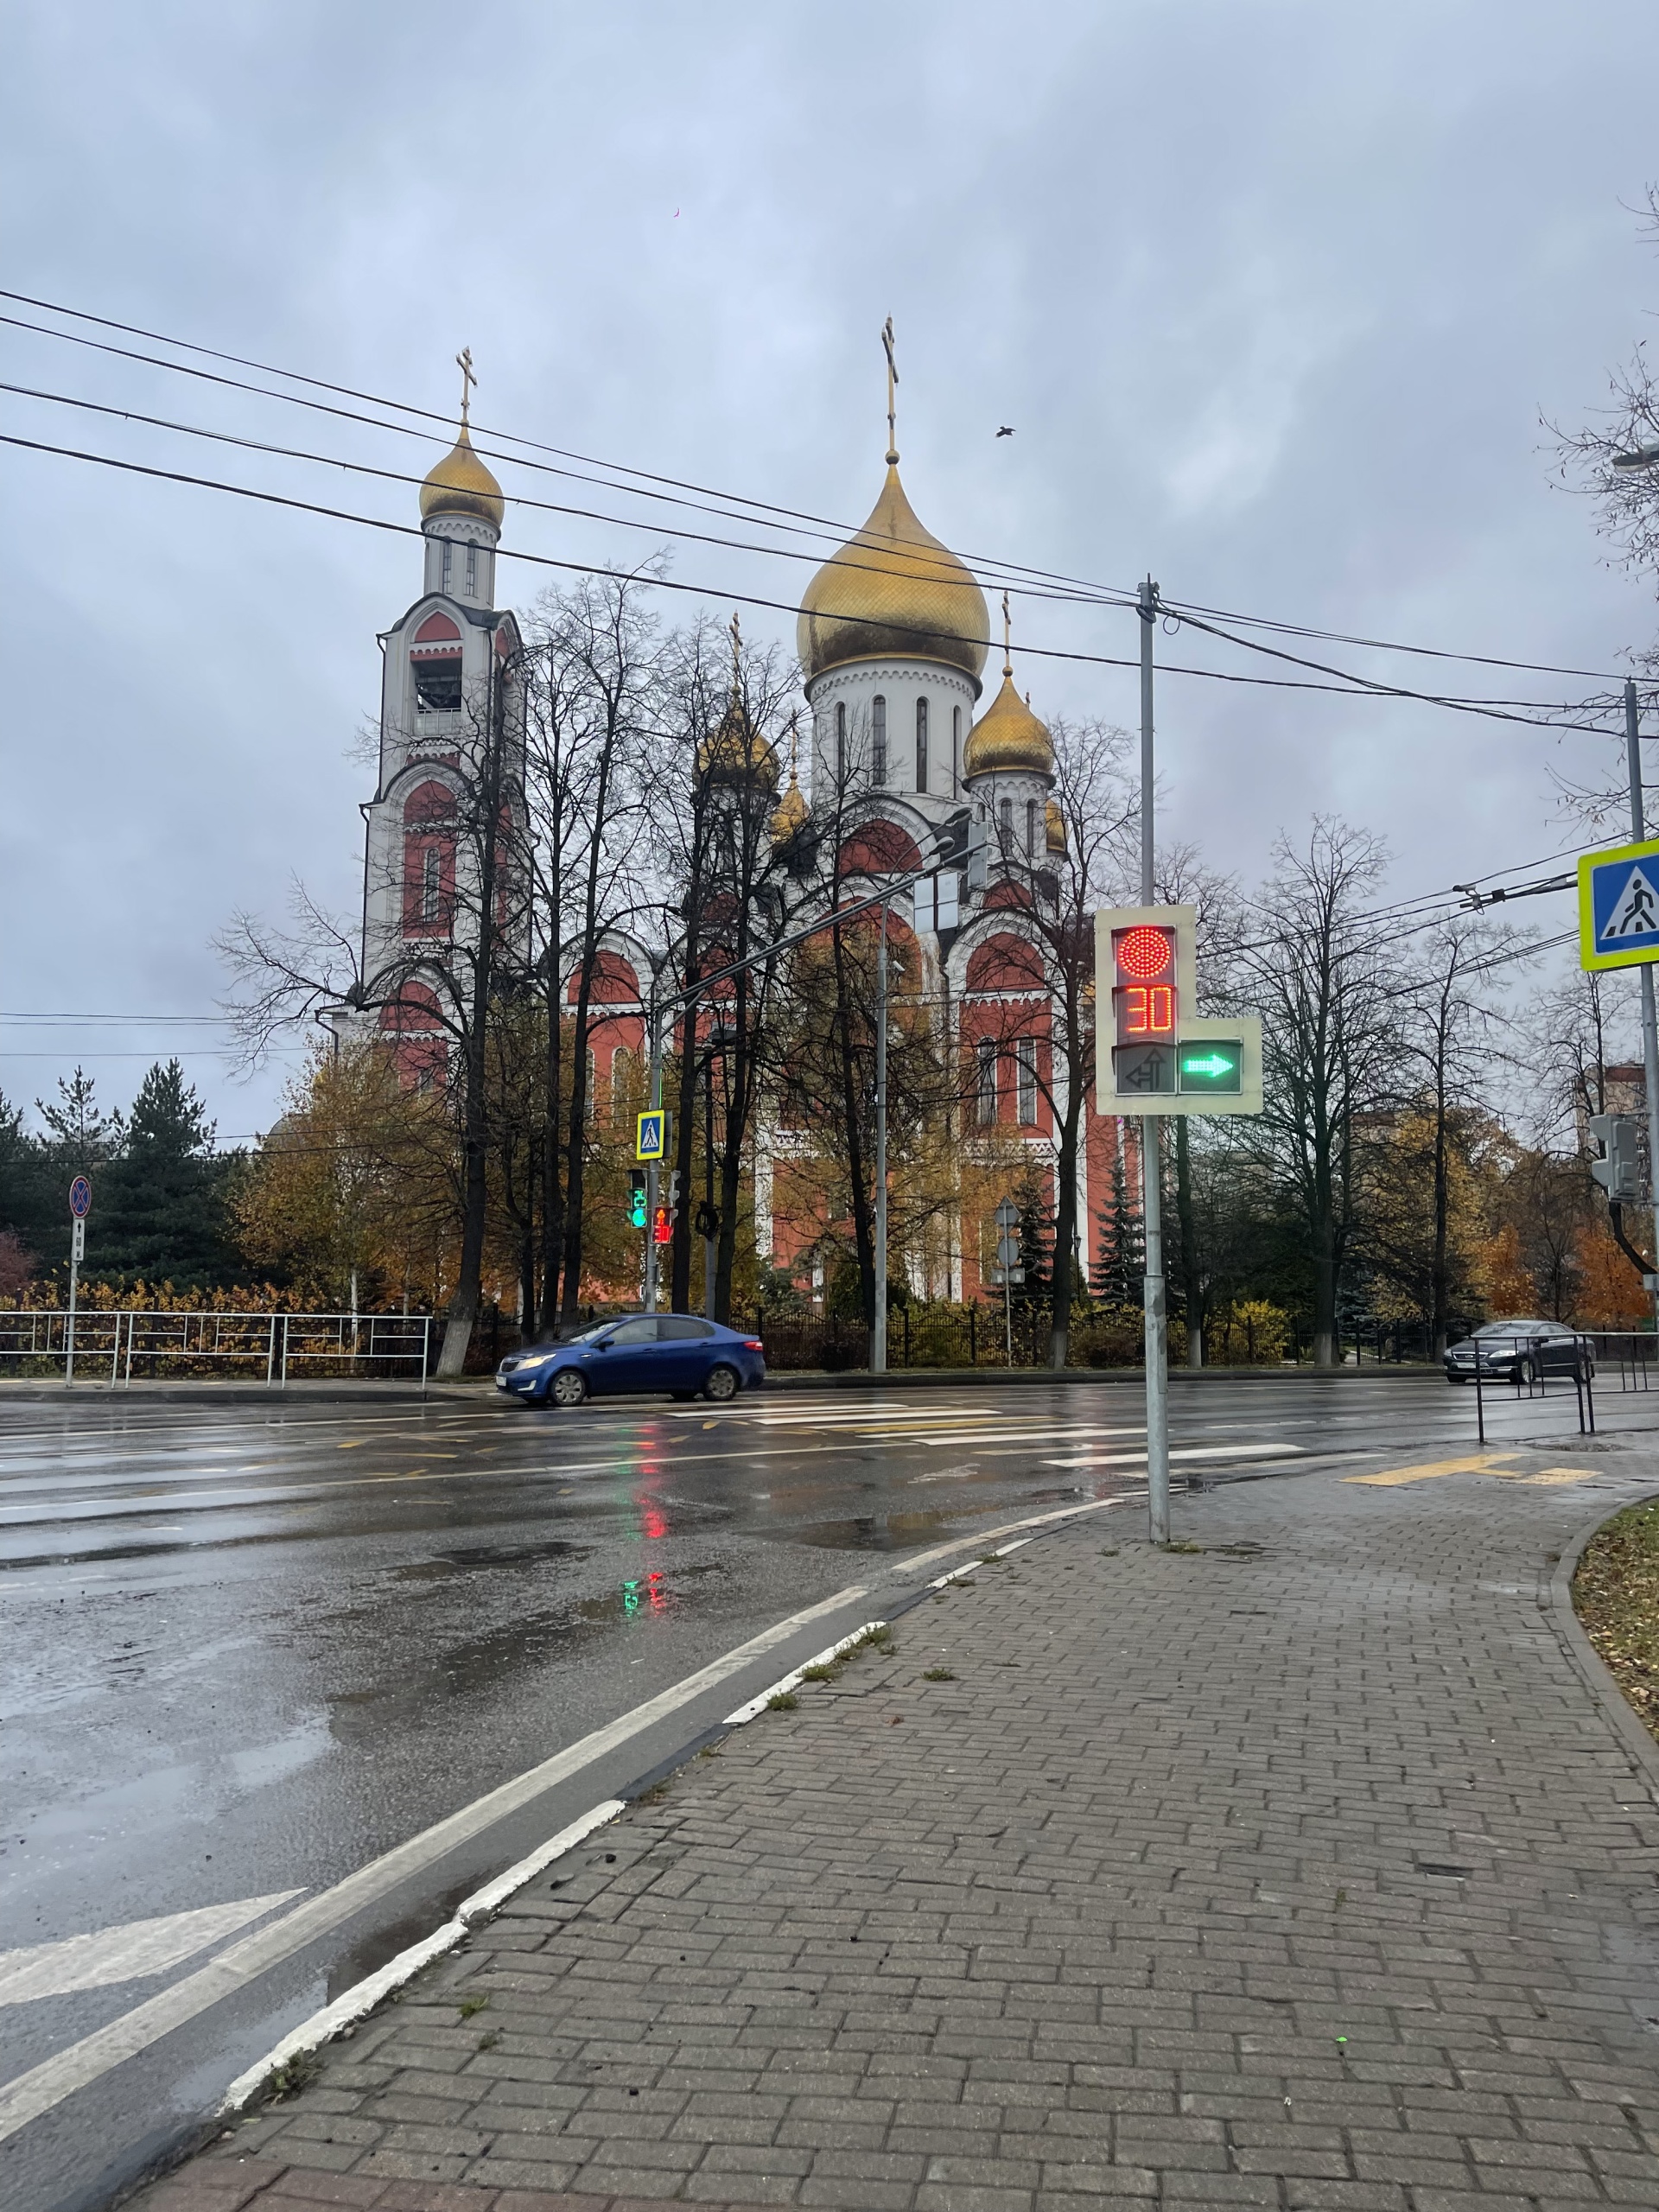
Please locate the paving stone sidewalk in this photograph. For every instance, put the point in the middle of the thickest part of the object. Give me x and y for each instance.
(1303, 1870)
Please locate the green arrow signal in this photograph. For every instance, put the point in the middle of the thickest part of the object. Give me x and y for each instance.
(1211, 1064)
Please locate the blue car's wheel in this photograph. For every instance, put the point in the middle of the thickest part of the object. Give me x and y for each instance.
(569, 1387)
(721, 1384)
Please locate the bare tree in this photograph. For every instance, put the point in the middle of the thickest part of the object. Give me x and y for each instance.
(1615, 463)
(1316, 972)
(443, 979)
(594, 709)
(1050, 896)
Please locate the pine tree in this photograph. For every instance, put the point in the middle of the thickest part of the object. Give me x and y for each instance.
(83, 1135)
(32, 1209)
(162, 1215)
(1123, 1254)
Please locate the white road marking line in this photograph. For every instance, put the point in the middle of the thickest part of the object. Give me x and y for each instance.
(28, 2096)
(1187, 1452)
(361, 1998)
(127, 1952)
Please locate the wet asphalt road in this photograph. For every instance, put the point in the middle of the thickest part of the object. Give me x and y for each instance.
(252, 1646)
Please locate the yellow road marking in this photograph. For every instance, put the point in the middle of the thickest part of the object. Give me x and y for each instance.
(1473, 1463)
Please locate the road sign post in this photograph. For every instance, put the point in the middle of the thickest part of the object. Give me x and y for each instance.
(1007, 1263)
(81, 1204)
(1619, 927)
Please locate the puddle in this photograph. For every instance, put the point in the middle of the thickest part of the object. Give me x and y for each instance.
(482, 1662)
(463, 1561)
(889, 1532)
(381, 1945)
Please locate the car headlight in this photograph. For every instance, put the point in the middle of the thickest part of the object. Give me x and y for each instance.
(540, 1359)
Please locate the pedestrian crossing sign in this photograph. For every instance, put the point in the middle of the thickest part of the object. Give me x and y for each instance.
(1618, 906)
(650, 1142)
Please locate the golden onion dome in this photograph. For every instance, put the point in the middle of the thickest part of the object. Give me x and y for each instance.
(892, 589)
(460, 485)
(1054, 822)
(736, 753)
(1007, 738)
(790, 816)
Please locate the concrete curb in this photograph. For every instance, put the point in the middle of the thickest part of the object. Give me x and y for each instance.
(482, 1387)
(1557, 1601)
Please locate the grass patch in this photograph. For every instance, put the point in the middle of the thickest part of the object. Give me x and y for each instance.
(471, 2005)
(291, 2076)
(1616, 1596)
(782, 1701)
(824, 1671)
(939, 1674)
(1183, 1547)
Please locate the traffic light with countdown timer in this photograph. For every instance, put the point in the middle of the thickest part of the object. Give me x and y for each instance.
(1156, 1053)
(637, 1198)
(1146, 1006)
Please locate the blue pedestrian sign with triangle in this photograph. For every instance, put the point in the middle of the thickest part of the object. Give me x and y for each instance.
(651, 1141)
(1618, 906)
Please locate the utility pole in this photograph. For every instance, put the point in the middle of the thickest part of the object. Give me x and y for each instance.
(1650, 1041)
(1151, 1164)
(652, 1176)
(879, 1333)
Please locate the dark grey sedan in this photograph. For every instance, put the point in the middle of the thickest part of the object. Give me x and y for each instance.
(1521, 1351)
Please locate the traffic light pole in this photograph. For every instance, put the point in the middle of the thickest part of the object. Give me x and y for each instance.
(879, 1333)
(1649, 1039)
(1151, 1162)
(654, 1022)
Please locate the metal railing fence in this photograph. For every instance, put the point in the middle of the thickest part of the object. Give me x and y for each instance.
(111, 1346)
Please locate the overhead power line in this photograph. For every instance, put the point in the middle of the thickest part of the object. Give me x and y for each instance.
(789, 516)
(1344, 689)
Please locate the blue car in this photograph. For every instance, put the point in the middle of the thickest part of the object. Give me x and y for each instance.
(675, 1353)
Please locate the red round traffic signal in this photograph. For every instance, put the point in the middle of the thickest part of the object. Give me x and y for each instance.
(1145, 951)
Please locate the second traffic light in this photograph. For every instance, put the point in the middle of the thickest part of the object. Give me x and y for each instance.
(1619, 1170)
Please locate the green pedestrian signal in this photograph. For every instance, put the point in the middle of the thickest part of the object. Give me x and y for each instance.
(636, 1200)
(1211, 1065)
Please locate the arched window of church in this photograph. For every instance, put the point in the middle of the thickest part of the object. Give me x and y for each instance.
(921, 745)
(841, 745)
(985, 1083)
(449, 550)
(1025, 1062)
(1031, 830)
(471, 572)
(956, 751)
(877, 739)
(431, 883)
(1004, 814)
(589, 1105)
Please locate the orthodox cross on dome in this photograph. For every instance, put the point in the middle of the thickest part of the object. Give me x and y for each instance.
(1008, 639)
(737, 653)
(464, 363)
(893, 386)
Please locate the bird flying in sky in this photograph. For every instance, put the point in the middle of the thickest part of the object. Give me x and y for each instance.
(1007, 430)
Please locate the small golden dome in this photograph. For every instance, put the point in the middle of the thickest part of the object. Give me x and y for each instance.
(736, 753)
(788, 822)
(460, 485)
(1055, 822)
(892, 589)
(1007, 738)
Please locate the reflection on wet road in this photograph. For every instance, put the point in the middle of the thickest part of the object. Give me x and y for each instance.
(251, 1648)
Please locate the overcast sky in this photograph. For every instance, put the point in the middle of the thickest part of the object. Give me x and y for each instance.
(1274, 296)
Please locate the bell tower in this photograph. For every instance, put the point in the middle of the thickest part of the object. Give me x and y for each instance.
(444, 660)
